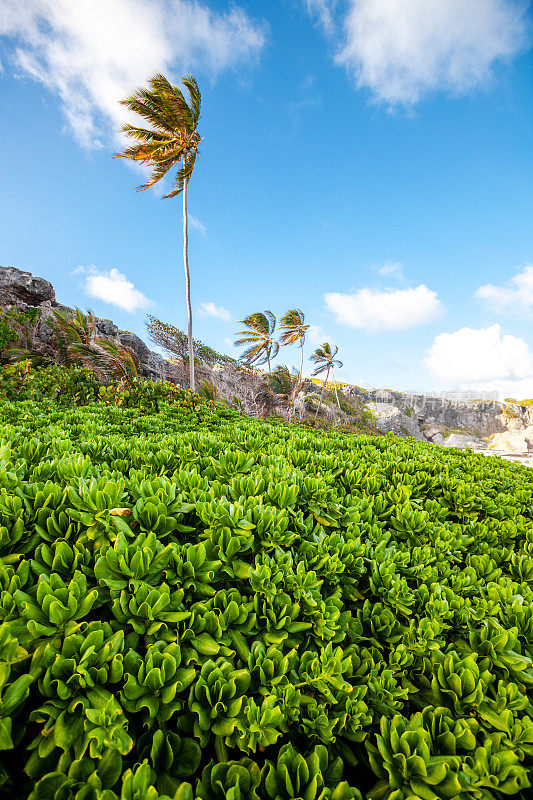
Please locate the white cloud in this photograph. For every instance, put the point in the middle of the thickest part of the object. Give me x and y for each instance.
(113, 287)
(316, 335)
(323, 10)
(392, 268)
(403, 49)
(92, 53)
(516, 297)
(197, 225)
(483, 357)
(389, 310)
(212, 310)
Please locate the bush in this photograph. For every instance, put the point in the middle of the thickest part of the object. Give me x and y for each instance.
(195, 604)
(75, 386)
(63, 386)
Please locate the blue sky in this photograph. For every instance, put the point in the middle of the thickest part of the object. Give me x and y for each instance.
(369, 162)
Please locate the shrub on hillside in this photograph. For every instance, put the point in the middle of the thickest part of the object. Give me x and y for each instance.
(194, 604)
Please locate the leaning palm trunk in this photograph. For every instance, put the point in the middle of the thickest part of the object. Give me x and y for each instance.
(188, 285)
(335, 387)
(321, 393)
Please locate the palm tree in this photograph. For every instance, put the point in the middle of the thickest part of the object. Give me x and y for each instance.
(77, 341)
(259, 337)
(324, 358)
(294, 330)
(81, 343)
(171, 141)
(286, 387)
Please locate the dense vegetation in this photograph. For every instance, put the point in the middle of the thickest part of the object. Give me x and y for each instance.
(195, 604)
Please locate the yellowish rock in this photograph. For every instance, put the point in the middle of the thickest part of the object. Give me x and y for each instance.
(509, 442)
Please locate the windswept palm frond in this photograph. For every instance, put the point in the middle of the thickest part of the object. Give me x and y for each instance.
(19, 354)
(258, 337)
(82, 344)
(294, 330)
(173, 139)
(293, 326)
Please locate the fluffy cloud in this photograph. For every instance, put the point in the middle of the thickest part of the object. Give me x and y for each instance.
(212, 310)
(484, 357)
(403, 49)
(389, 310)
(516, 297)
(92, 53)
(113, 287)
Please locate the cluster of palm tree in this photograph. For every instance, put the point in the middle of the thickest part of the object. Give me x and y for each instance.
(262, 347)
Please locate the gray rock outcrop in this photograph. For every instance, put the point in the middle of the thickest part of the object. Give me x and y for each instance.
(463, 441)
(20, 289)
(390, 419)
(480, 417)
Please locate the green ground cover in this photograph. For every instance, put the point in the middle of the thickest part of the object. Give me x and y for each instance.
(195, 604)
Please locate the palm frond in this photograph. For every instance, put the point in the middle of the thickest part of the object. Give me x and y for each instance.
(172, 139)
(171, 98)
(194, 94)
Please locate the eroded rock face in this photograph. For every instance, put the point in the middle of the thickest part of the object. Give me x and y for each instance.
(527, 433)
(154, 365)
(478, 417)
(19, 288)
(390, 419)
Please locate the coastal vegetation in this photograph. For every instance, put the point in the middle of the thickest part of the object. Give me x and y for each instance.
(198, 604)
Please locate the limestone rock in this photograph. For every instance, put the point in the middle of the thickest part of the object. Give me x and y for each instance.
(516, 425)
(527, 433)
(18, 288)
(462, 441)
(390, 419)
(152, 364)
(22, 290)
(434, 433)
(106, 328)
(510, 442)
(481, 417)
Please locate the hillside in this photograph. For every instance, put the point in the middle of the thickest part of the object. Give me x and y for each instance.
(439, 419)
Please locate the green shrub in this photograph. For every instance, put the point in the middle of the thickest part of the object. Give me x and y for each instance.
(195, 604)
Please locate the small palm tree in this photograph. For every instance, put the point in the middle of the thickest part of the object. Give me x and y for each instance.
(286, 387)
(259, 338)
(172, 140)
(81, 344)
(294, 329)
(324, 358)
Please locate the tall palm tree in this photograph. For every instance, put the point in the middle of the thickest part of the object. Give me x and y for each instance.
(259, 338)
(324, 358)
(171, 141)
(294, 329)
